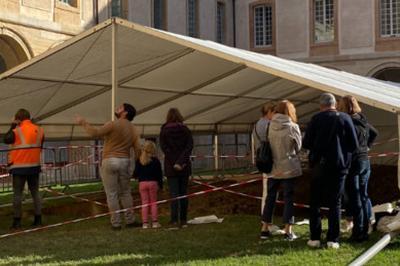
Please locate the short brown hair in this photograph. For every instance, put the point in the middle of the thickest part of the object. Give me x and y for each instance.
(349, 104)
(22, 114)
(174, 116)
(287, 108)
(270, 106)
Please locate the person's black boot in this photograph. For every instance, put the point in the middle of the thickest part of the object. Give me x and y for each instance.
(16, 224)
(37, 221)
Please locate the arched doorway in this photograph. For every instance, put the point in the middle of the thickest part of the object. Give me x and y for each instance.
(388, 74)
(13, 50)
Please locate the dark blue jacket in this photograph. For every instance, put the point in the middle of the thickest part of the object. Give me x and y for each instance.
(149, 172)
(331, 139)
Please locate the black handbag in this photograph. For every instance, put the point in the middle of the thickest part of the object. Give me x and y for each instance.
(264, 160)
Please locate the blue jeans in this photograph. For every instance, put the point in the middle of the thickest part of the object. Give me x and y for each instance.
(327, 184)
(359, 202)
(288, 191)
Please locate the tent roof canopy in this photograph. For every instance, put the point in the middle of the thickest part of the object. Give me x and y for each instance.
(216, 87)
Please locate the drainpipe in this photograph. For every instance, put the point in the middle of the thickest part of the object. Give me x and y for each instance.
(96, 11)
(234, 22)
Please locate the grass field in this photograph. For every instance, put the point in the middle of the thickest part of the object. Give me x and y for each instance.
(234, 242)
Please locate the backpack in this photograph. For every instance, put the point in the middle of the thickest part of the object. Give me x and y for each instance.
(264, 160)
(362, 132)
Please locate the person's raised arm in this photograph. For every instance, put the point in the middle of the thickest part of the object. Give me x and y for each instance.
(95, 132)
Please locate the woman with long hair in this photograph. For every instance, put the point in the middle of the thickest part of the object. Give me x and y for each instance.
(357, 180)
(177, 143)
(285, 140)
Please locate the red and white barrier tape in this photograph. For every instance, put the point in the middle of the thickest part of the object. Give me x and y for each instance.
(75, 197)
(299, 205)
(127, 209)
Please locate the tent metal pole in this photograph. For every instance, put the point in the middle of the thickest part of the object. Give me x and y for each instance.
(253, 149)
(216, 152)
(372, 251)
(398, 159)
(114, 78)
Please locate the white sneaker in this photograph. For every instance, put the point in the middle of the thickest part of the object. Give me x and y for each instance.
(333, 245)
(156, 225)
(346, 226)
(314, 243)
(145, 226)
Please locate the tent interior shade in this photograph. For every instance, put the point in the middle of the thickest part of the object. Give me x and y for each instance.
(217, 88)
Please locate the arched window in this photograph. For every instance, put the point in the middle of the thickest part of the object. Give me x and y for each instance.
(3, 66)
(388, 74)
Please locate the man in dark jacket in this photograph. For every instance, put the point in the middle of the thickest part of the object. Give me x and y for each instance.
(331, 139)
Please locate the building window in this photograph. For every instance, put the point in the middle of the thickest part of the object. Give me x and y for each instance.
(192, 18)
(262, 25)
(390, 18)
(159, 14)
(220, 22)
(324, 21)
(3, 66)
(116, 8)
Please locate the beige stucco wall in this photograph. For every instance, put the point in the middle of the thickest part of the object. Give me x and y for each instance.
(242, 24)
(292, 28)
(177, 16)
(141, 12)
(356, 25)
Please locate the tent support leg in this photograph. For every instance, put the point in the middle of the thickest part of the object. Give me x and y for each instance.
(398, 159)
(253, 149)
(216, 153)
(114, 77)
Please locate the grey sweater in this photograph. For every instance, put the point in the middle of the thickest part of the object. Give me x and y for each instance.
(285, 139)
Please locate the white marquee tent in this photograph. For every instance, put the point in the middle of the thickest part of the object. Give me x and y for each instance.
(217, 88)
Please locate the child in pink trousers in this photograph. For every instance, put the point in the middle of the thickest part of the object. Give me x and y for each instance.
(148, 172)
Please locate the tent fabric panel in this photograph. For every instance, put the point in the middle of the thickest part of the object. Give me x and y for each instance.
(186, 104)
(216, 115)
(63, 64)
(184, 73)
(237, 83)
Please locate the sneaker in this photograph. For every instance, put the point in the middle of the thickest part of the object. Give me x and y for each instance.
(346, 226)
(333, 245)
(173, 226)
(155, 225)
(116, 228)
(265, 235)
(184, 224)
(145, 226)
(289, 236)
(314, 243)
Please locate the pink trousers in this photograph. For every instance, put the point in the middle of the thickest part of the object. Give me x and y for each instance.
(148, 194)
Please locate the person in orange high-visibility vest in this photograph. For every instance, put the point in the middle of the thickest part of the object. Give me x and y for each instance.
(25, 140)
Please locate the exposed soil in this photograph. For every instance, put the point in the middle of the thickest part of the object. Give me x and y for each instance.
(382, 188)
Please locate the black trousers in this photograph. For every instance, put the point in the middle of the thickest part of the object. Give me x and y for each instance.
(18, 187)
(326, 184)
(178, 187)
(288, 192)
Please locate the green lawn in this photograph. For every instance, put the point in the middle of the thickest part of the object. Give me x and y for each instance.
(234, 242)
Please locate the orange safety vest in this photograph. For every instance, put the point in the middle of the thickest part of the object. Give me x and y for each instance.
(25, 152)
